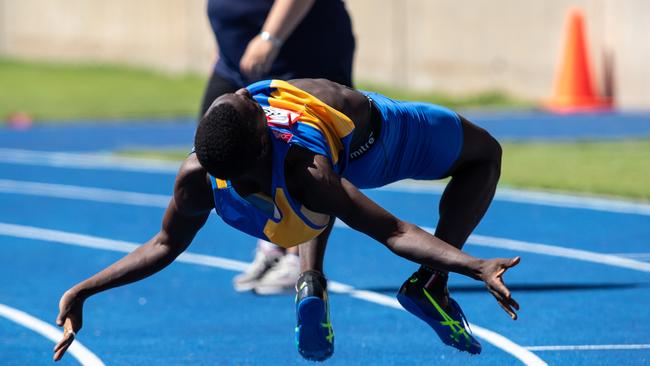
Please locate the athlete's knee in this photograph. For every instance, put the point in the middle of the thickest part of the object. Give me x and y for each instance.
(493, 156)
(494, 152)
(490, 150)
(482, 151)
(490, 155)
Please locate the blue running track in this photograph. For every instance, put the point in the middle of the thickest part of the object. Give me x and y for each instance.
(583, 283)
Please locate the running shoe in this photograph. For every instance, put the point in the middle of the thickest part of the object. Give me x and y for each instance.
(281, 278)
(450, 324)
(262, 263)
(314, 333)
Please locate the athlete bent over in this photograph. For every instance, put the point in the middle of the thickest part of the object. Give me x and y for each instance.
(280, 160)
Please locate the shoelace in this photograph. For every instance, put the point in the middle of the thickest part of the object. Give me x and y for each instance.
(454, 325)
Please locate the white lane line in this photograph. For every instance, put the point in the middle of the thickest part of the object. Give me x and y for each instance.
(589, 347)
(641, 256)
(83, 193)
(153, 200)
(105, 161)
(536, 198)
(94, 242)
(91, 161)
(583, 255)
(62, 237)
(77, 350)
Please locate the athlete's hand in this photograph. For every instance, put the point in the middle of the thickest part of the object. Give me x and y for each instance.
(70, 318)
(491, 273)
(258, 58)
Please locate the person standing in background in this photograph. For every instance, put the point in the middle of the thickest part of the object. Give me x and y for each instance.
(277, 39)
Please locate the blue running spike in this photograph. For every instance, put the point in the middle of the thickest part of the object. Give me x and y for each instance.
(450, 324)
(314, 333)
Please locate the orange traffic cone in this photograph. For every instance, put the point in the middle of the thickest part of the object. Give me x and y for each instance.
(574, 90)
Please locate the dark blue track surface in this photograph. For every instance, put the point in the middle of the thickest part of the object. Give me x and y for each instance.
(189, 314)
(505, 126)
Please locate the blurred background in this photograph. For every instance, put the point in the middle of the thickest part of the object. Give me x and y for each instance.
(500, 62)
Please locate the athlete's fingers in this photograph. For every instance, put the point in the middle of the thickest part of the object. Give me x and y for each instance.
(514, 303)
(497, 296)
(507, 265)
(63, 312)
(63, 342)
(62, 346)
(500, 287)
(59, 318)
(59, 354)
(507, 303)
(514, 262)
(508, 310)
(68, 334)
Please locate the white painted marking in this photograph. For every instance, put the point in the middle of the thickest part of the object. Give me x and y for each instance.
(641, 256)
(536, 198)
(77, 350)
(61, 237)
(87, 241)
(589, 347)
(151, 200)
(104, 161)
(583, 255)
(83, 193)
(87, 161)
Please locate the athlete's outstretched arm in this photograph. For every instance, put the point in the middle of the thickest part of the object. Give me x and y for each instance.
(186, 213)
(321, 190)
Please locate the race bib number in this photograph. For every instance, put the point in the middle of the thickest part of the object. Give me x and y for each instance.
(280, 117)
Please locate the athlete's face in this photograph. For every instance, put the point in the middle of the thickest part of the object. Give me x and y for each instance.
(250, 110)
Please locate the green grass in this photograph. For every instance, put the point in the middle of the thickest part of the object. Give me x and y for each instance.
(605, 168)
(48, 91)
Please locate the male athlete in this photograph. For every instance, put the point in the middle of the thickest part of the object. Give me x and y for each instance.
(280, 160)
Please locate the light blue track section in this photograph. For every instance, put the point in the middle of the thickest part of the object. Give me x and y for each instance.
(362, 328)
(189, 314)
(505, 126)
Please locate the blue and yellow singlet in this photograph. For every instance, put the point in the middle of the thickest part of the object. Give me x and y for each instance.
(294, 117)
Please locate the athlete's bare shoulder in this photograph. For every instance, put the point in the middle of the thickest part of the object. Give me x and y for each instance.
(192, 189)
(340, 97)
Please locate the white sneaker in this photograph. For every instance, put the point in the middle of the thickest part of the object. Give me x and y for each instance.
(281, 278)
(262, 263)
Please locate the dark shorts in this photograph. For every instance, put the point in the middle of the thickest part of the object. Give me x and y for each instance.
(417, 141)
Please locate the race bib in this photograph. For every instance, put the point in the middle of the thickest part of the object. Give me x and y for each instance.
(280, 117)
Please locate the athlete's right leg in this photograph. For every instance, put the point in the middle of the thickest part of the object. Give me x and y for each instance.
(314, 333)
(474, 178)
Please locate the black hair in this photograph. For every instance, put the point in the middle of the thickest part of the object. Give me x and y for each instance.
(225, 143)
